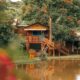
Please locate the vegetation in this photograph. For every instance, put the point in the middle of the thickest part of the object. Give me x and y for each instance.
(16, 48)
(8, 40)
(5, 34)
(62, 15)
(65, 15)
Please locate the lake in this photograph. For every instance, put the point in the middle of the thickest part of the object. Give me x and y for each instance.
(54, 70)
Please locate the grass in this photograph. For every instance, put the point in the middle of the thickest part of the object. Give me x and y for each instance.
(16, 54)
(15, 49)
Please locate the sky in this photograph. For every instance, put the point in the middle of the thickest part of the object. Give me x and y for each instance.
(15, 0)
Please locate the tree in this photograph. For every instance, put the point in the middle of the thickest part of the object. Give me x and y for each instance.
(5, 24)
(5, 34)
(39, 13)
(64, 13)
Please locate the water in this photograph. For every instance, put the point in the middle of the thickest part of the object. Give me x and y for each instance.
(54, 70)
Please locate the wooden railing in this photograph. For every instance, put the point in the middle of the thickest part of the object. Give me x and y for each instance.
(33, 39)
(61, 48)
(48, 42)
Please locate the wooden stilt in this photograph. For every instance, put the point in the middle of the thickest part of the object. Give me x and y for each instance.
(27, 46)
(53, 53)
(49, 51)
(42, 46)
(59, 52)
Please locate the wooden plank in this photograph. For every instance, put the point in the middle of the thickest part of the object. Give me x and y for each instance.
(33, 39)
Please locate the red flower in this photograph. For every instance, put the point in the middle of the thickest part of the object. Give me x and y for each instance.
(11, 77)
(6, 66)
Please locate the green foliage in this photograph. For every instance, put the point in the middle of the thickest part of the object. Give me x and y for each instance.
(35, 14)
(5, 34)
(5, 16)
(60, 32)
(14, 45)
(15, 9)
(7, 13)
(5, 24)
(16, 49)
(62, 13)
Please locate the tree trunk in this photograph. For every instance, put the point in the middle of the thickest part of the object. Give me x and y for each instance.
(50, 28)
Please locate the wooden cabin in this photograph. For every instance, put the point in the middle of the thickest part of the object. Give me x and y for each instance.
(35, 34)
(38, 37)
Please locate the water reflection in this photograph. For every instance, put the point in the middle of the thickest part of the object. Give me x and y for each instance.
(54, 70)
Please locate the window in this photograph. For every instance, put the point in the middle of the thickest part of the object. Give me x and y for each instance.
(36, 33)
(35, 46)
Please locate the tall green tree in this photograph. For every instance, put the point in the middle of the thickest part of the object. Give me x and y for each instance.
(65, 13)
(5, 24)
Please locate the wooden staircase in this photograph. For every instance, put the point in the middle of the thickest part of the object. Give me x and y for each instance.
(48, 46)
(48, 43)
(61, 49)
(64, 51)
(52, 46)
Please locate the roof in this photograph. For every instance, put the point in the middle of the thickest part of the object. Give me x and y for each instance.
(36, 26)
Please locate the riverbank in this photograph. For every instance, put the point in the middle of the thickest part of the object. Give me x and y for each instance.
(38, 59)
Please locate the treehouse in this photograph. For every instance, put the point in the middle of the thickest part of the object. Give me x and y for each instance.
(35, 34)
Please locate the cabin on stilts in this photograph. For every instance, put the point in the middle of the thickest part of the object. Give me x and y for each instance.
(37, 37)
(36, 34)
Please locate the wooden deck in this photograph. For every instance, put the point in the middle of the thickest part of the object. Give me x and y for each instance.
(51, 46)
(55, 46)
(33, 39)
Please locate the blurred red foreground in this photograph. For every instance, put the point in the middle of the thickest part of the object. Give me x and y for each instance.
(6, 67)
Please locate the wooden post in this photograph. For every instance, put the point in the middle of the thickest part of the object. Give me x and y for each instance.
(48, 52)
(42, 46)
(53, 53)
(59, 52)
(50, 28)
(73, 47)
(27, 46)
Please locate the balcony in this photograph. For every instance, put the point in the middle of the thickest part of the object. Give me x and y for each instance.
(33, 39)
